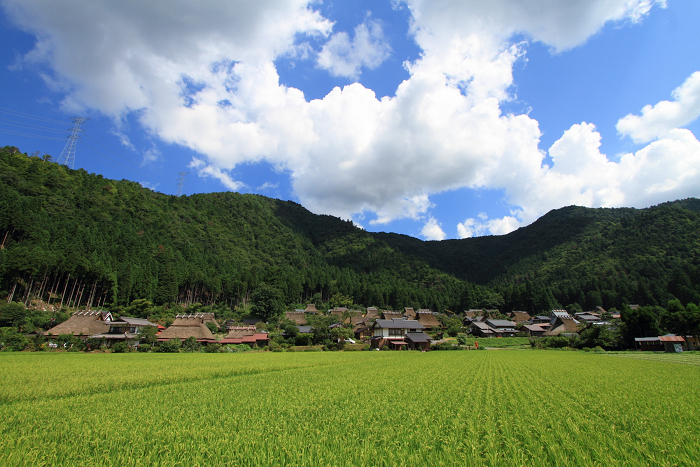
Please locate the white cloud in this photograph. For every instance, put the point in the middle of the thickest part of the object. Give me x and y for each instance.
(473, 228)
(203, 76)
(267, 186)
(432, 230)
(151, 155)
(344, 57)
(657, 120)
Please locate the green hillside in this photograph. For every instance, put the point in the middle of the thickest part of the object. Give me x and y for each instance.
(73, 237)
(68, 234)
(579, 255)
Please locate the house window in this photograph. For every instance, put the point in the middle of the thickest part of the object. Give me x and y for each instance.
(378, 332)
(395, 332)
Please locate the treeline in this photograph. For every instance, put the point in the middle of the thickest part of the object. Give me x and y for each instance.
(70, 238)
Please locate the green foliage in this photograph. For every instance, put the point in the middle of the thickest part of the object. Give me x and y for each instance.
(171, 346)
(120, 347)
(267, 303)
(191, 345)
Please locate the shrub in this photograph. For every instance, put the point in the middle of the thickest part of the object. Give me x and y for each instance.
(171, 346)
(144, 348)
(212, 347)
(120, 347)
(366, 347)
(385, 347)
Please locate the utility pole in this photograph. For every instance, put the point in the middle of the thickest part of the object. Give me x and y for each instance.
(181, 182)
(67, 157)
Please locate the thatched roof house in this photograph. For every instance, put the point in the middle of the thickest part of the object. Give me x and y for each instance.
(311, 308)
(297, 317)
(519, 316)
(409, 313)
(427, 319)
(372, 313)
(391, 315)
(84, 324)
(186, 326)
(563, 325)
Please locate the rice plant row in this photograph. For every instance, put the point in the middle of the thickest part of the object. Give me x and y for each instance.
(358, 408)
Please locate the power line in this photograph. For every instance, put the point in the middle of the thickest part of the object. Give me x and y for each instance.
(68, 154)
(17, 133)
(19, 114)
(30, 126)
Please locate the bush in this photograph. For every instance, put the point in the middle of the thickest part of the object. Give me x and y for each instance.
(144, 348)
(366, 347)
(462, 339)
(191, 344)
(212, 347)
(120, 347)
(385, 347)
(277, 349)
(171, 346)
(445, 346)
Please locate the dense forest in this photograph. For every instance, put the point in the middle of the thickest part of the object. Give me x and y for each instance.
(73, 238)
(581, 257)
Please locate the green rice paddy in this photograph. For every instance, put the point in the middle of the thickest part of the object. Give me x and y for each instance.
(507, 408)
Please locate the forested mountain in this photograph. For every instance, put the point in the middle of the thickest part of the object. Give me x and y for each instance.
(76, 237)
(580, 255)
(80, 238)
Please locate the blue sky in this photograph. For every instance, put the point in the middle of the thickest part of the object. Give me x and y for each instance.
(440, 119)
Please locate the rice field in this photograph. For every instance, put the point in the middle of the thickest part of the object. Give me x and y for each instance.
(466, 408)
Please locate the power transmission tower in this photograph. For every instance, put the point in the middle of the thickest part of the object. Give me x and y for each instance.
(67, 157)
(181, 182)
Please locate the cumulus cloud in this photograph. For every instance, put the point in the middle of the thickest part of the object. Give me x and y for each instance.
(203, 76)
(657, 120)
(432, 230)
(342, 56)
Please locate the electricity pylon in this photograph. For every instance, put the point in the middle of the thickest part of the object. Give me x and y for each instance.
(181, 182)
(67, 157)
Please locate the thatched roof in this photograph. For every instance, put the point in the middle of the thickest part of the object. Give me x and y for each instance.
(391, 314)
(184, 327)
(519, 316)
(205, 317)
(372, 312)
(296, 316)
(239, 332)
(428, 320)
(409, 313)
(83, 323)
(311, 308)
(563, 326)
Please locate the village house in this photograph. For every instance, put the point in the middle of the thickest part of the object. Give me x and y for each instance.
(563, 325)
(83, 324)
(126, 329)
(386, 314)
(534, 330)
(186, 326)
(418, 340)
(409, 313)
(493, 328)
(372, 313)
(245, 335)
(502, 327)
(519, 316)
(297, 317)
(669, 343)
(392, 332)
(428, 319)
